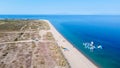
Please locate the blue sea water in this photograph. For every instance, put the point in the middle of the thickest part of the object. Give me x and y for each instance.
(101, 29)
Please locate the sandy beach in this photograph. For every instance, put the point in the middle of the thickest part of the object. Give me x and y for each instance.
(75, 58)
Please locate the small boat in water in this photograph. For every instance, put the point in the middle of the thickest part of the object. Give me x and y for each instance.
(99, 47)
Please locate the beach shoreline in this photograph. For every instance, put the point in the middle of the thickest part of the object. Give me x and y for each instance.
(74, 57)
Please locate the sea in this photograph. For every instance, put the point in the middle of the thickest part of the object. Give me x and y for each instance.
(103, 30)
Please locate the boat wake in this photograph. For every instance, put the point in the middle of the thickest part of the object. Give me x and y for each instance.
(91, 46)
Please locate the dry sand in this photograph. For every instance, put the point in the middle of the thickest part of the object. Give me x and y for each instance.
(74, 57)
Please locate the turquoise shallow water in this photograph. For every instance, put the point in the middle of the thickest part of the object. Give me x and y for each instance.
(103, 30)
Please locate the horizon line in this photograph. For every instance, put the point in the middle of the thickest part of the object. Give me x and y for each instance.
(59, 14)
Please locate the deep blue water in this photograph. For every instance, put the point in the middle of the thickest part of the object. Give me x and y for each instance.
(103, 30)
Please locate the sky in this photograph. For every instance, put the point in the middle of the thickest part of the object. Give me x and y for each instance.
(68, 7)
